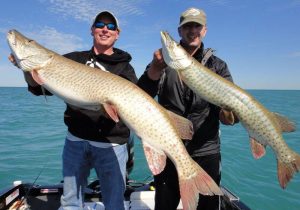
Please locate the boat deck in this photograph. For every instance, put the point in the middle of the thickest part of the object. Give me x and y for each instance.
(138, 196)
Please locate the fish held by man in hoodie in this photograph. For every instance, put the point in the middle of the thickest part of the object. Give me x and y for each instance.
(264, 127)
(91, 88)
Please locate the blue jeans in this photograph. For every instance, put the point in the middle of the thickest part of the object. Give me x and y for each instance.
(110, 166)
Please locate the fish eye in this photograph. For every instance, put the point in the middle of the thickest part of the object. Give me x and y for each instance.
(29, 41)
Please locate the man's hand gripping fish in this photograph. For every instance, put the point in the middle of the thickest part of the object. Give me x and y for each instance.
(264, 127)
(91, 88)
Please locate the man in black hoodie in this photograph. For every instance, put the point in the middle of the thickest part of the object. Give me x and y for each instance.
(94, 140)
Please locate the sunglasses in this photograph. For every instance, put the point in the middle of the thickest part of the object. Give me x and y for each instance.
(109, 26)
(192, 25)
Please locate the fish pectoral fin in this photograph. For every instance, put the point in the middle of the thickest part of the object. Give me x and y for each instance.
(258, 150)
(36, 77)
(227, 117)
(111, 110)
(156, 159)
(183, 126)
(284, 123)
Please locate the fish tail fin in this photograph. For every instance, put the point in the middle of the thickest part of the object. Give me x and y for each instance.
(199, 182)
(286, 171)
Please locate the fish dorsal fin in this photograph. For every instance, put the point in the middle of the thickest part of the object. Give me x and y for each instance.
(284, 123)
(183, 126)
(156, 158)
(111, 110)
(258, 150)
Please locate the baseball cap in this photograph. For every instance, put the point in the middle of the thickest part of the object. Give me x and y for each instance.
(106, 13)
(193, 15)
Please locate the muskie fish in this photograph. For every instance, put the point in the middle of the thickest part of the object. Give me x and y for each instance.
(91, 88)
(264, 127)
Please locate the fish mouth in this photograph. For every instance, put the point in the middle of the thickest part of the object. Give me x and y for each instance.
(12, 43)
(174, 55)
(11, 38)
(166, 40)
(167, 44)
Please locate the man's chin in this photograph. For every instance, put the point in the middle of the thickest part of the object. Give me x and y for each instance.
(192, 43)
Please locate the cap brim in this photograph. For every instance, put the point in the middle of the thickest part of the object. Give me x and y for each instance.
(196, 20)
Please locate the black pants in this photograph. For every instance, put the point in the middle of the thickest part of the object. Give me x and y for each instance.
(167, 195)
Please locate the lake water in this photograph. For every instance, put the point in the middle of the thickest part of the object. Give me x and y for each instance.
(32, 134)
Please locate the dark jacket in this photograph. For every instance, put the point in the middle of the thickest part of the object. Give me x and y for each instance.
(92, 125)
(180, 99)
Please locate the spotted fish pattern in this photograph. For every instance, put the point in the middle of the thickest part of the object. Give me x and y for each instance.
(264, 127)
(91, 88)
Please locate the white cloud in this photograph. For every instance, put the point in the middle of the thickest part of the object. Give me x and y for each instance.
(57, 41)
(50, 38)
(46, 36)
(85, 10)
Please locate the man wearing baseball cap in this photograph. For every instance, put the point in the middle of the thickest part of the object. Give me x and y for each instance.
(174, 95)
(98, 141)
(94, 140)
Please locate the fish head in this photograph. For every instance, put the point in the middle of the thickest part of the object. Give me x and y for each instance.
(28, 54)
(174, 55)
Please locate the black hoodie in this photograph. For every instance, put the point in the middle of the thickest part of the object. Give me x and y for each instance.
(93, 125)
(182, 100)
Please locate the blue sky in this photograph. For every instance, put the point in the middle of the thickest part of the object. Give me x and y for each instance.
(259, 39)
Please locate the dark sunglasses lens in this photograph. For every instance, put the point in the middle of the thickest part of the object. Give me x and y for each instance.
(99, 25)
(110, 26)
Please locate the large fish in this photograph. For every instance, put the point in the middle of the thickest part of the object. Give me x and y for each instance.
(91, 88)
(264, 127)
